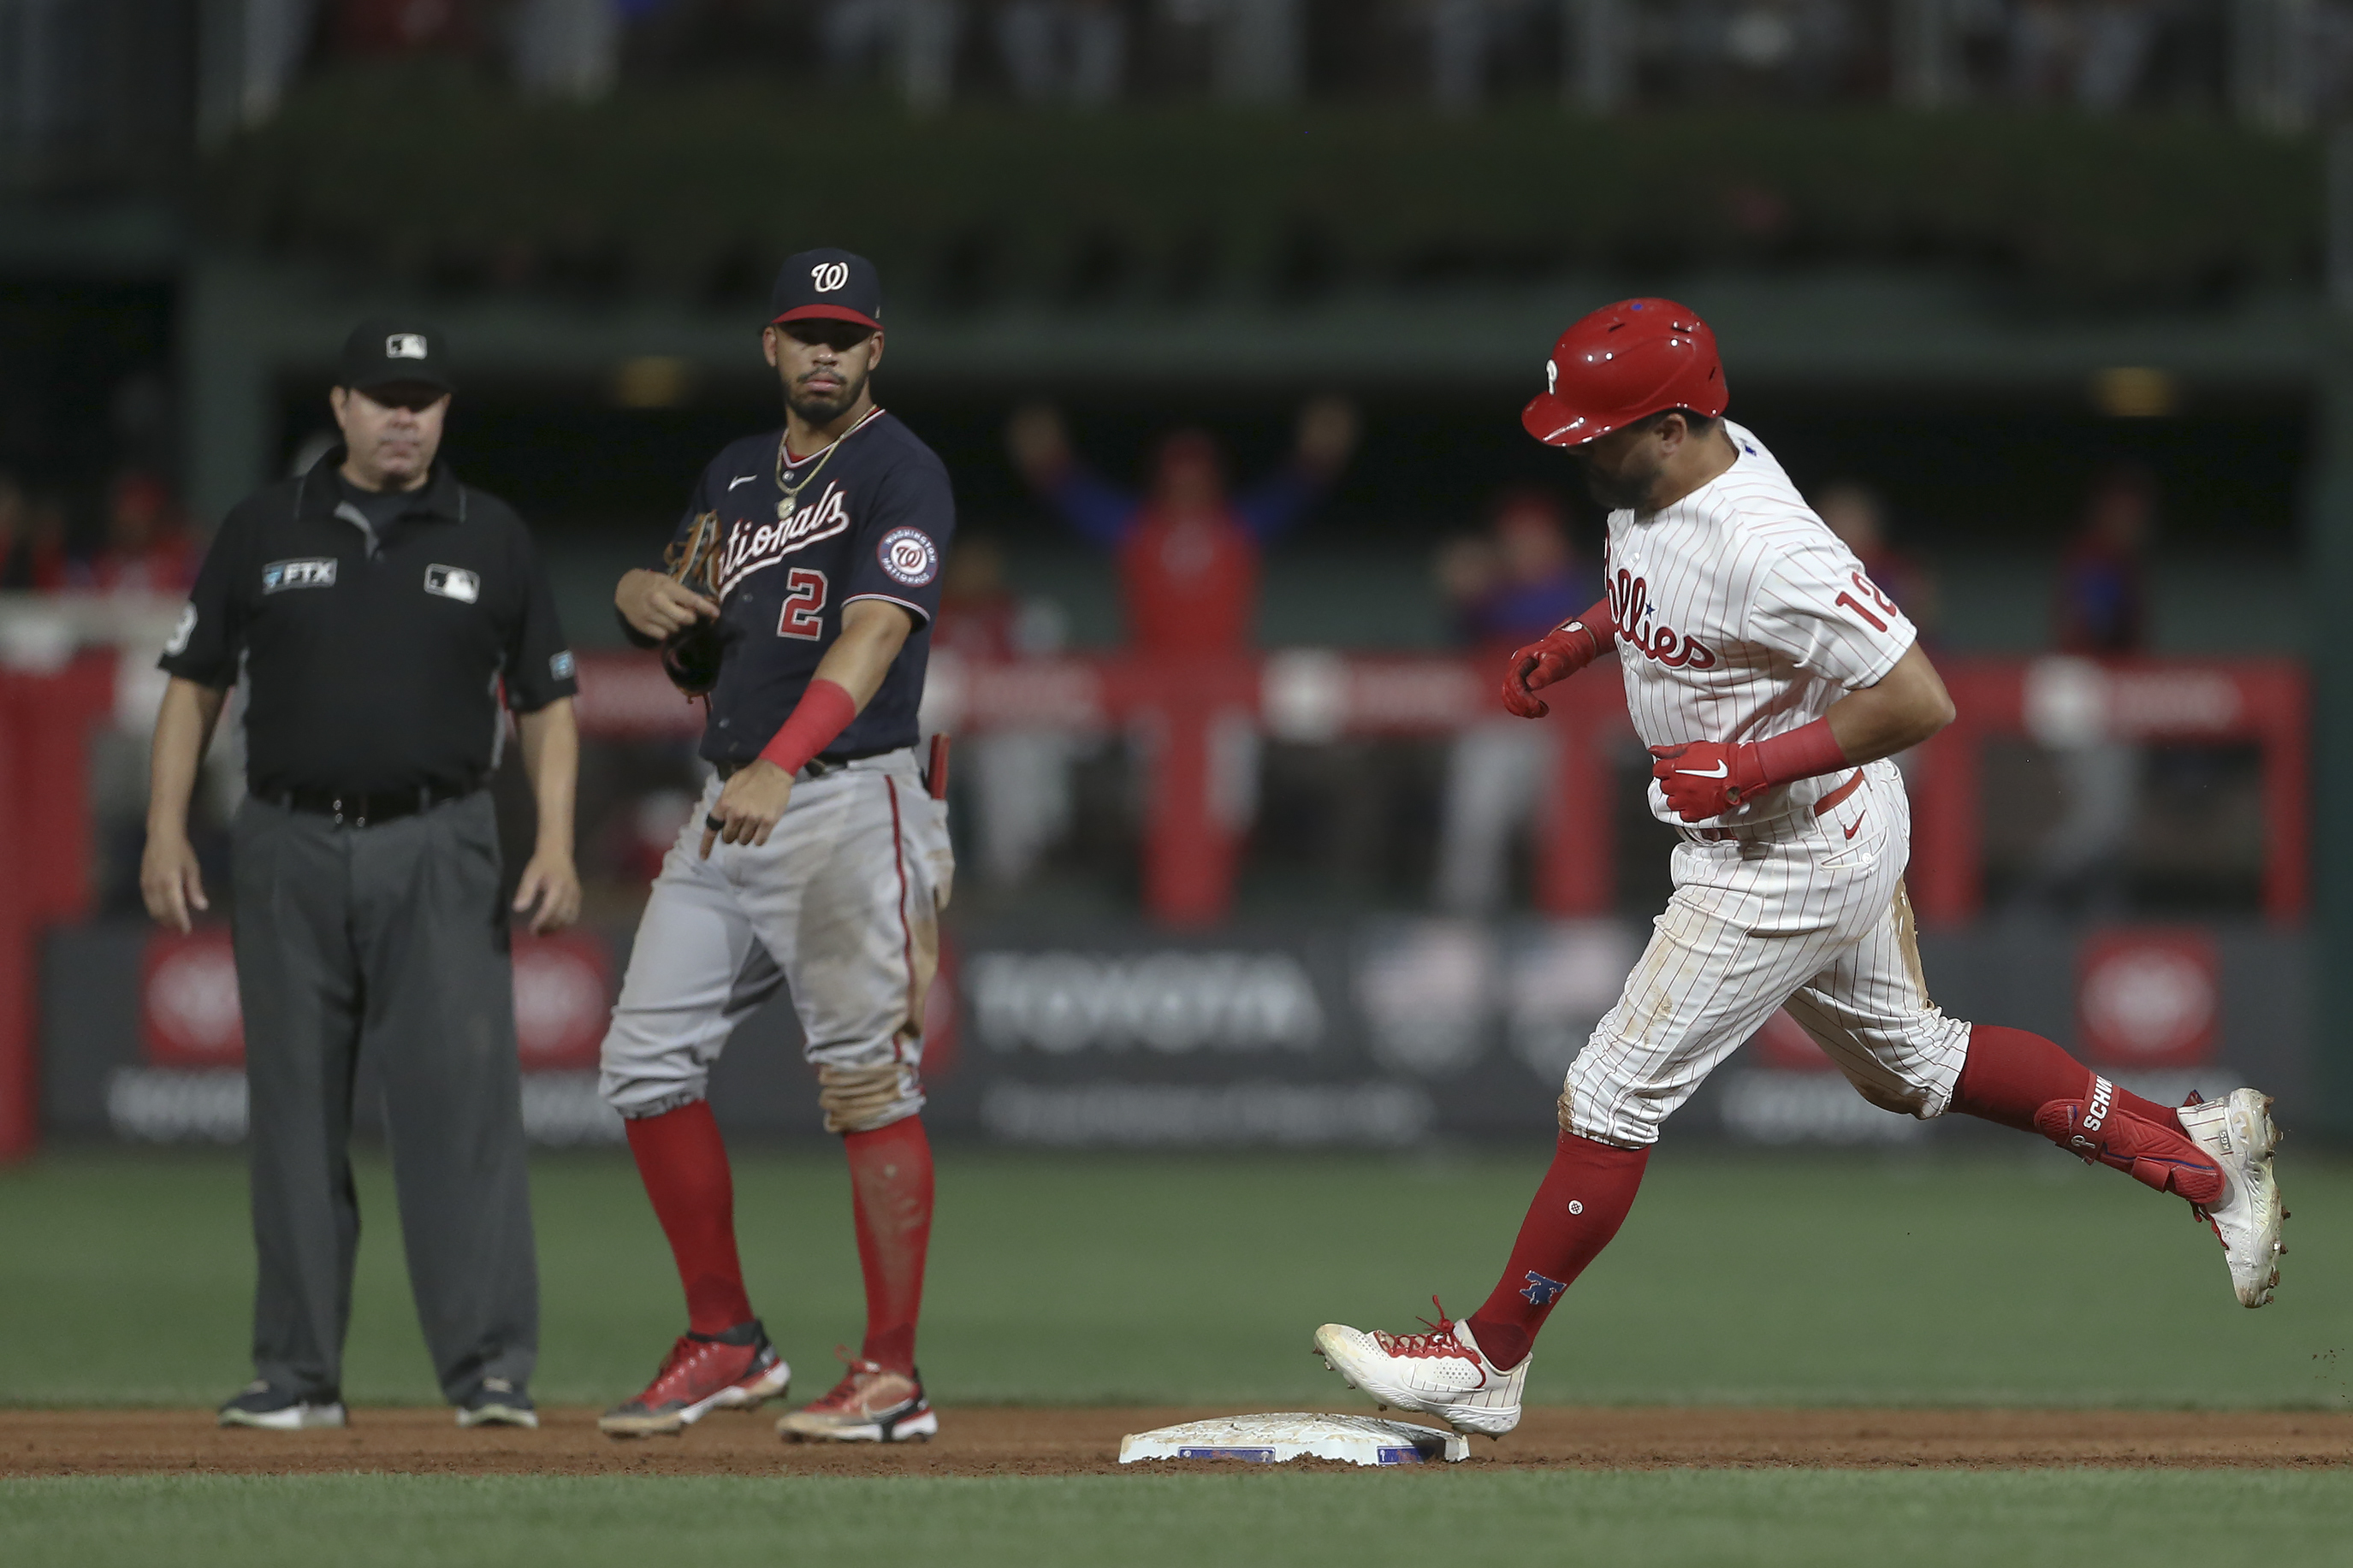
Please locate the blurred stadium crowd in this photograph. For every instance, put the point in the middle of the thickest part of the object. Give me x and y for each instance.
(90, 510)
(2280, 61)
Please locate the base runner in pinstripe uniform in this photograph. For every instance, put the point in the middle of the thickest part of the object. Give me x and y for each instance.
(1771, 680)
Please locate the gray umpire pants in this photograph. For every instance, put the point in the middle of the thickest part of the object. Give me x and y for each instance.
(390, 938)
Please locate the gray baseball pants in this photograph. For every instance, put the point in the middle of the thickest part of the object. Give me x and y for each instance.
(389, 938)
(841, 909)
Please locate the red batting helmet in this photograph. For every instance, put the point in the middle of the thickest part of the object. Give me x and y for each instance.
(1623, 362)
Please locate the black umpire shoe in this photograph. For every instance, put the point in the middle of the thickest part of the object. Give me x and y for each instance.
(498, 1403)
(273, 1409)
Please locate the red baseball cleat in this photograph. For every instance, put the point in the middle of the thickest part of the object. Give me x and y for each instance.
(738, 1370)
(871, 1405)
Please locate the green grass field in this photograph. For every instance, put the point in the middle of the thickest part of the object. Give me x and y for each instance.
(1769, 1519)
(2028, 1280)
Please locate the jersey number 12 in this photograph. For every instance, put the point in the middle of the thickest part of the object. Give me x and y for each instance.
(1849, 601)
(804, 611)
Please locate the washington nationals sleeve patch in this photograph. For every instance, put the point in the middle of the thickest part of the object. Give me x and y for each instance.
(909, 557)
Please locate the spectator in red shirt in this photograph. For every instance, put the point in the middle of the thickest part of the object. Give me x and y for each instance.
(1188, 552)
(147, 546)
(981, 617)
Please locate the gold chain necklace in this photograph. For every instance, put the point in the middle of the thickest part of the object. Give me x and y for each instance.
(792, 492)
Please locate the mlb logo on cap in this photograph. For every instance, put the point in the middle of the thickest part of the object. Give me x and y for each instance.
(395, 351)
(828, 286)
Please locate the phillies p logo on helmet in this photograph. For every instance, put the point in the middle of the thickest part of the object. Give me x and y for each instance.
(1623, 362)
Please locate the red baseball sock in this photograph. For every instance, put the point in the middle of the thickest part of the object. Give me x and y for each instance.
(2024, 1081)
(891, 1195)
(1583, 1200)
(683, 1163)
(2010, 1074)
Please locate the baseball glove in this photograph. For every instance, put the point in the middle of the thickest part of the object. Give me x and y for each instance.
(690, 657)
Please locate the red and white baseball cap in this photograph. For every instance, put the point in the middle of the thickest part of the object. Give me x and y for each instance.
(1626, 362)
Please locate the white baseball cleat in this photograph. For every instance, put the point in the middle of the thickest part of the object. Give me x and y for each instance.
(1442, 1372)
(2236, 1131)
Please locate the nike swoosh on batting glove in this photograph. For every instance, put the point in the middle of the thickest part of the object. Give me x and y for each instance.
(1708, 778)
(1557, 654)
(1705, 778)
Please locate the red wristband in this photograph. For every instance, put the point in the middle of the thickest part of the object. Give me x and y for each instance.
(1803, 753)
(825, 711)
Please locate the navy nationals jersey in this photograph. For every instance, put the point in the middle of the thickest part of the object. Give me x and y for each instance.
(868, 518)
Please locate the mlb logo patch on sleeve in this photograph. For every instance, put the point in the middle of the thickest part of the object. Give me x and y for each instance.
(318, 571)
(453, 583)
(560, 665)
(908, 556)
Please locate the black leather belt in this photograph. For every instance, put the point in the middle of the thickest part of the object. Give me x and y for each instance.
(818, 768)
(357, 810)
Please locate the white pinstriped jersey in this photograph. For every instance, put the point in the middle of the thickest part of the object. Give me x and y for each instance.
(1741, 615)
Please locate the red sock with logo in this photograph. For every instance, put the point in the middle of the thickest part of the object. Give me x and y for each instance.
(683, 1163)
(2025, 1081)
(890, 1198)
(1580, 1205)
(2011, 1075)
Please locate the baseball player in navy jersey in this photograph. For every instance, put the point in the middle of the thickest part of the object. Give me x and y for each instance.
(1771, 680)
(818, 862)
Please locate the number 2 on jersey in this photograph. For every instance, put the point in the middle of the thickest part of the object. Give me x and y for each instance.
(804, 610)
(1851, 602)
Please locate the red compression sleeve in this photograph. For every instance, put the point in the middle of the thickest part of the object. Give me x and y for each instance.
(891, 1201)
(1803, 753)
(825, 711)
(684, 1163)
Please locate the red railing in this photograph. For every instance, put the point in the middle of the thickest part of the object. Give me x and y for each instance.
(1190, 841)
(46, 721)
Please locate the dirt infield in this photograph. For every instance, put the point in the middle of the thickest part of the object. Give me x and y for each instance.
(1025, 1441)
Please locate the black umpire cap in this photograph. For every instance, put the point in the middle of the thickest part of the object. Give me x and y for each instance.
(826, 285)
(395, 351)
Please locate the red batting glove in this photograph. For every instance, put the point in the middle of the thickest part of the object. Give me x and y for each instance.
(1705, 778)
(1708, 778)
(1557, 654)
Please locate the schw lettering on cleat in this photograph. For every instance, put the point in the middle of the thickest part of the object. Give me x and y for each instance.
(1540, 1291)
(2096, 1113)
(2095, 1132)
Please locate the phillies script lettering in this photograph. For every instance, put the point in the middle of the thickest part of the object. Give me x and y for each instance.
(750, 547)
(1630, 610)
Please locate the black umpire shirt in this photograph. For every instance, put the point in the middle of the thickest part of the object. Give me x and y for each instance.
(868, 517)
(376, 631)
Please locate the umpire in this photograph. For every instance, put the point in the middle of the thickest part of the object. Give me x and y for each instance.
(377, 606)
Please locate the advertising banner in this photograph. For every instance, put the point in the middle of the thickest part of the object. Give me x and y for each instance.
(1381, 1032)
(185, 1080)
